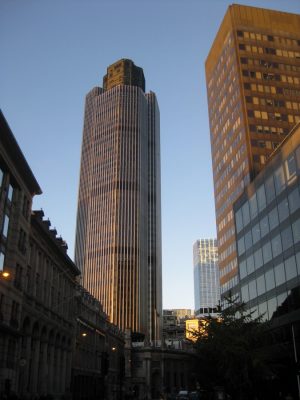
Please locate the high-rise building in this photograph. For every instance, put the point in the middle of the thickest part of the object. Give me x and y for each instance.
(253, 88)
(267, 218)
(206, 277)
(118, 234)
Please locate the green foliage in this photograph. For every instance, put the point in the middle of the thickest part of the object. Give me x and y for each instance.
(234, 353)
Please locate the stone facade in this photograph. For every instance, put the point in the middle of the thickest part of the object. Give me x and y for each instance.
(151, 371)
(55, 338)
(97, 370)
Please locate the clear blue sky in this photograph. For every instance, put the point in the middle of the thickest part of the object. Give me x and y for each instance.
(54, 51)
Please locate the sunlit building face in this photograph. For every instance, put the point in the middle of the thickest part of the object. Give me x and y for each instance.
(253, 88)
(118, 238)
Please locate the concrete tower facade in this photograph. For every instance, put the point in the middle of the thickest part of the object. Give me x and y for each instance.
(118, 234)
(206, 277)
(253, 88)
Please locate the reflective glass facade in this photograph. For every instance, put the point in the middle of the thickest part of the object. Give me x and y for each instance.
(253, 89)
(206, 277)
(267, 218)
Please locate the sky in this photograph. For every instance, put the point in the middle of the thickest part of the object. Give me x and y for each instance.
(53, 52)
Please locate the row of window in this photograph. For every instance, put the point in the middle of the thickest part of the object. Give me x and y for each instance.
(273, 278)
(272, 187)
(294, 119)
(226, 286)
(269, 76)
(230, 266)
(263, 101)
(265, 144)
(274, 130)
(7, 188)
(266, 309)
(269, 64)
(285, 239)
(265, 38)
(269, 50)
(273, 116)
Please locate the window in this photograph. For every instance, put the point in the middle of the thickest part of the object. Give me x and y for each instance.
(258, 259)
(261, 287)
(263, 310)
(287, 238)
(270, 279)
(248, 240)
(245, 293)
(290, 268)
(243, 269)
(10, 192)
(283, 209)
(239, 220)
(296, 231)
(250, 265)
(279, 180)
(5, 226)
(264, 226)
(1, 261)
(1, 177)
(290, 167)
(298, 262)
(261, 198)
(253, 206)
(272, 306)
(276, 246)
(267, 252)
(246, 213)
(256, 233)
(273, 218)
(270, 189)
(252, 289)
(294, 200)
(241, 246)
(279, 274)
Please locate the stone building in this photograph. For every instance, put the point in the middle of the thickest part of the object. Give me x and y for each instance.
(47, 317)
(97, 369)
(54, 337)
(152, 371)
(17, 187)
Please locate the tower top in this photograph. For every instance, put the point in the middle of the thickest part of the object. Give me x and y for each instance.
(124, 72)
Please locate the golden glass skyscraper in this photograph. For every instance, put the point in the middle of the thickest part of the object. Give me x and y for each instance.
(118, 233)
(253, 89)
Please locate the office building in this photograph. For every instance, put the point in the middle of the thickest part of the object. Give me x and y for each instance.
(206, 277)
(253, 89)
(118, 234)
(267, 218)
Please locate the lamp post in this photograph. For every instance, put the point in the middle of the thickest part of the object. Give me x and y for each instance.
(5, 274)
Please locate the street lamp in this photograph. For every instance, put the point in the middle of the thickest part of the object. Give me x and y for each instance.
(5, 274)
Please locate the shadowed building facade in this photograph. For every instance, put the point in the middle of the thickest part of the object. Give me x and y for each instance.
(118, 234)
(253, 89)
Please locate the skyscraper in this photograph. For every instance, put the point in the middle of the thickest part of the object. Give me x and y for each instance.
(206, 277)
(253, 89)
(118, 234)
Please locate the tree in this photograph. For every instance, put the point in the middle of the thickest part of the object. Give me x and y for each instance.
(234, 353)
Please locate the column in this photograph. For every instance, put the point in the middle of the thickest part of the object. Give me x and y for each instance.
(25, 364)
(63, 371)
(68, 370)
(35, 365)
(43, 373)
(50, 370)
(58, 370)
